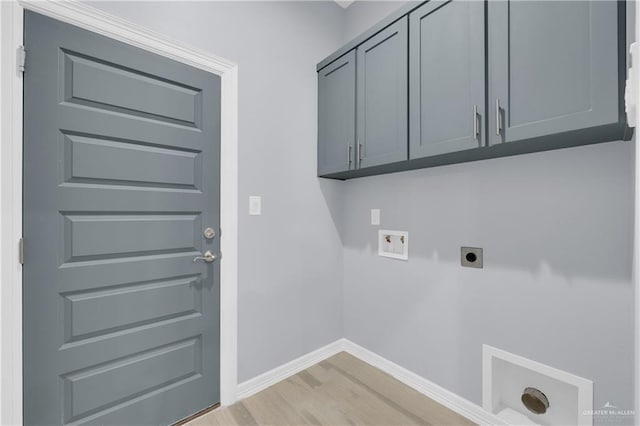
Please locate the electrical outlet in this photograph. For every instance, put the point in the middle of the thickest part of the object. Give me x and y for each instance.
(471, 257)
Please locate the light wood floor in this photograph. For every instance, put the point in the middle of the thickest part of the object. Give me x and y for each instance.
(341, 390)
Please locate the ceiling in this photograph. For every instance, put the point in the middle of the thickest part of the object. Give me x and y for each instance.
(344, 3)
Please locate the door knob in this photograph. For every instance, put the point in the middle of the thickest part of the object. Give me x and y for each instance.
(207, 257)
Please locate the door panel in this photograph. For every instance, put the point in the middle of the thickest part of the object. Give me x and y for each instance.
(128, 235)
(120, 325)
(382, 97)
(447, 77)
(97, 84)
(99, 388)
(114, 162)
(553, 67)
(337, 115)
(89, 312)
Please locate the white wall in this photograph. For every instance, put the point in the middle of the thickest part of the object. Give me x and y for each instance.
(364, 13)
(636, 257)
(556, 226)
(557, 286)
(290, 258)
(557, 234)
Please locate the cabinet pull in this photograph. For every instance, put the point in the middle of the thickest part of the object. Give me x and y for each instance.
(359, 153)
(498, 118)
(476, 131)
(349, 156)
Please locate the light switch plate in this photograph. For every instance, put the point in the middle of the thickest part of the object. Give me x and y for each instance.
(255, 205)
(375, 216)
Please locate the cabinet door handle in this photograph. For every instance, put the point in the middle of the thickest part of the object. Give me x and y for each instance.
(498, 118)
(348, 156)
(476, 131)
(359, 153)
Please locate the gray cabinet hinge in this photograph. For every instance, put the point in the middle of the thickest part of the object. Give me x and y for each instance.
(21, 251)
(21, 58)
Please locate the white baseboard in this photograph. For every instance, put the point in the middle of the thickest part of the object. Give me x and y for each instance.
(452, 401)
(271, 377)
(439, 394)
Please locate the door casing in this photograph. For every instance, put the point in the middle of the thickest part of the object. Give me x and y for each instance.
(90, 18)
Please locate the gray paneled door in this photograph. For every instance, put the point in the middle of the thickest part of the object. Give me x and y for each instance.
(337, 115)
(447, 77)
(553, 67)
(382, 97)
(121, 177)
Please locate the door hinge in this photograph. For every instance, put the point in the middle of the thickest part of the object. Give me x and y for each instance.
(21, 251)
(21, 58)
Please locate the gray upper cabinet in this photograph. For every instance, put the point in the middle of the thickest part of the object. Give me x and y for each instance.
(446, 77)
(382, 97)
(453, 80)
(553, 67)
(337, 115)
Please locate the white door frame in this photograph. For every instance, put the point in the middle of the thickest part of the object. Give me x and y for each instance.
(90, 18)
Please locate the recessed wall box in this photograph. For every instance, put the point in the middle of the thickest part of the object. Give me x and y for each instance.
(522, 391)
(471, 257)
(393, 244)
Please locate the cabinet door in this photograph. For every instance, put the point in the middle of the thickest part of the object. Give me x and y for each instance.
(447, 77)
(553, 67)
(337, 115)
(382, 97)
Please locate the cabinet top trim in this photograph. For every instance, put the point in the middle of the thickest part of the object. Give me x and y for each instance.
(384, 23)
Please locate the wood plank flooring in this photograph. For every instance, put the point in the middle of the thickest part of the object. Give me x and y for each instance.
(341, 390)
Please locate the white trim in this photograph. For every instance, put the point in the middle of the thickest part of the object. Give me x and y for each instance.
(437, 393)
(11, 215)
(229, 238)
(636, 239)
(584, 386)
(271, 377)
(90, 18)
(452, 401)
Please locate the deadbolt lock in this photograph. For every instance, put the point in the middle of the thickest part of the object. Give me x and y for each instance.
(209, 233)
